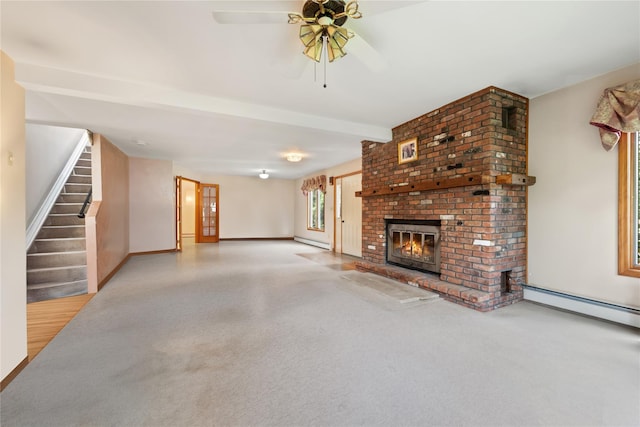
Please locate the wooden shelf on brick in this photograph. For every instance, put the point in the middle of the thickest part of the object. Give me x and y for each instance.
(438, 184)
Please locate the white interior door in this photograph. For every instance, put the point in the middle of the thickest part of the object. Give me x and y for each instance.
(351, 221)
(337, 223)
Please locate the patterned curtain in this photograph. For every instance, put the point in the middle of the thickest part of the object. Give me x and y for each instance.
(315, 183)
(618, 111)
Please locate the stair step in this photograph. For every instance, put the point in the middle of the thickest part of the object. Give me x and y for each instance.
(60, 231)
(71, 198)
(58, 245)
(56, 274)
(82, 170)
(79, 179)
(77, 188)
(63, 219)
(68, 208)
(56, 259)
(48, 291)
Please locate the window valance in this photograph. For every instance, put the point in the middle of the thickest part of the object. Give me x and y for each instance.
(618, 111)
(316, 183)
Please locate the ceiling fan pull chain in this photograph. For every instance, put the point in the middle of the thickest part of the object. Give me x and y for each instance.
(326, 53)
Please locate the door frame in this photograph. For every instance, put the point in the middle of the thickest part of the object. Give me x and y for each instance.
(179, 206)
(335, 209)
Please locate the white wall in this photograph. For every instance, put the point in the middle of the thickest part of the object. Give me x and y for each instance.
(251, 207)
(573, 206)
(152, 219)
(325, 236)
(13, 280)
(48, 149)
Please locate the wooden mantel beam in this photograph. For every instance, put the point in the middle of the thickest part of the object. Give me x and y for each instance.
(515, 179)
(437, 184)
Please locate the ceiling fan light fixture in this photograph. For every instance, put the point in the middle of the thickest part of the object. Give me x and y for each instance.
(264, 174)
(325, 21)
(314, 51)
(294, 157)
(323, 24)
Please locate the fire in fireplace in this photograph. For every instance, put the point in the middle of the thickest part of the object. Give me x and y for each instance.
(414, 244)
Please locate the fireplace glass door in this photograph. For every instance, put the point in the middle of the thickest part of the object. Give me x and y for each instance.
(415, 246)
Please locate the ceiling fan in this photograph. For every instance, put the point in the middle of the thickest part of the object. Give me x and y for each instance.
(322, 22)
(321, 29)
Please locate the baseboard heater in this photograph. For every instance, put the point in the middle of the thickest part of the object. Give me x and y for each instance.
(603, 310)
(312, 243)
(239, 239)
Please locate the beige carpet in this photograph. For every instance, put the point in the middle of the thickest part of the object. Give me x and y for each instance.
(251, 334)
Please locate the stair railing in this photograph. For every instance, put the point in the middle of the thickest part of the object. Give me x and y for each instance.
(45, 207)
(87, 200)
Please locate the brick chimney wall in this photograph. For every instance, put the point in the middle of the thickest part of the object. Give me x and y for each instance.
(483, 225)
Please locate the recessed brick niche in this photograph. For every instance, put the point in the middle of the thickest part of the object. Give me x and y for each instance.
(471, 176)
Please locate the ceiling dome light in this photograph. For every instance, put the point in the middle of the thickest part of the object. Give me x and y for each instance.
(264, 174)
(325, 21)
(294, 157)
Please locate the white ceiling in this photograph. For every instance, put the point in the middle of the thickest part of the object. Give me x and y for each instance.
(232, 99)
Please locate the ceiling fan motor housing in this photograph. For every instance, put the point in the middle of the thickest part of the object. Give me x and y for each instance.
(314, 9)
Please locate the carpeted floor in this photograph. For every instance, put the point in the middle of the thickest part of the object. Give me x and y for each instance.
(253, 334)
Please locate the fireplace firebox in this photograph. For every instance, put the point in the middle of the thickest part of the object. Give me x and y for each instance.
(414, 244)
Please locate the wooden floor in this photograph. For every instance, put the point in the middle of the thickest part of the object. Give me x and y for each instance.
(46, 318)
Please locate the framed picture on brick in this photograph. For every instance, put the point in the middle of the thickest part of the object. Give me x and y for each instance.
(408, 150)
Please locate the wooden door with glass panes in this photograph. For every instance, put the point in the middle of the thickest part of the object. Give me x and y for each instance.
(208, 213)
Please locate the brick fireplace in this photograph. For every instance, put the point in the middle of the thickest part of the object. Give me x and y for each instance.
(470, 177)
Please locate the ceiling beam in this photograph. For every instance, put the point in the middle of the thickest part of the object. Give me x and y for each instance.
(61, 82)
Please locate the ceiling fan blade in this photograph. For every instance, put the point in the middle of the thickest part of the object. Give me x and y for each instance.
(250, 17)
(288, 59)
(294, 67)
(366, 54)
(373, 8)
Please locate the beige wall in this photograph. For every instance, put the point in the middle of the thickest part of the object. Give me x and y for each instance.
(573, 206)
(108, 241)
(151, 205)
(13, 281)
(251, 207)
(325, 236)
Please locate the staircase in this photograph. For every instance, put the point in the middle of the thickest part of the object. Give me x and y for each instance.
(57, 259)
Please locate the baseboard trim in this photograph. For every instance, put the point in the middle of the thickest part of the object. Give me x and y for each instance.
(113, 272)
(234, 239)
(163, 251)
(322, 245)
(14, 373)
(602, 310)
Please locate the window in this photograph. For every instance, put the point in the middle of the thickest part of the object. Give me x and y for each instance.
(628, 201)
(315, 210)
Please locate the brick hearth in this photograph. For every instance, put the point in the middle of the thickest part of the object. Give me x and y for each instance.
(471, 175)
